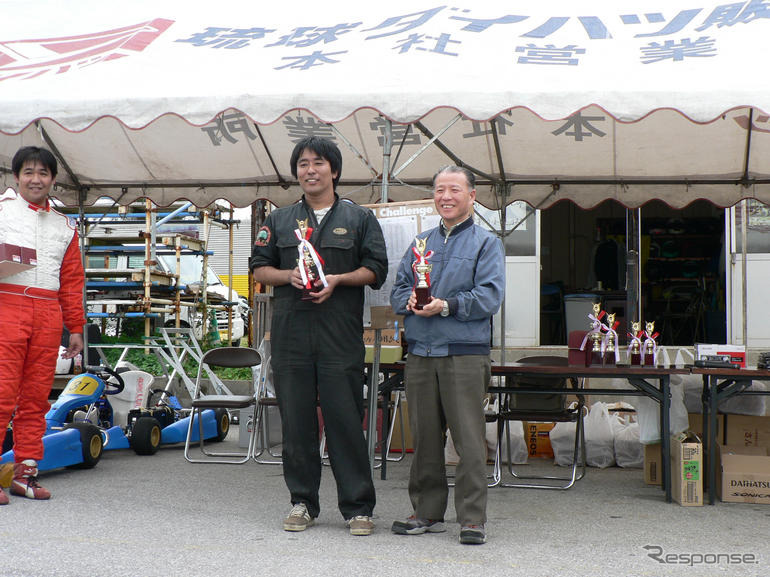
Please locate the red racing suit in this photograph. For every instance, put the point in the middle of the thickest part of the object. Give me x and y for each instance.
(33, 306)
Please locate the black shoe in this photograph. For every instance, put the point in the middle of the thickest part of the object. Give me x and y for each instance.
(415, 526)
(473, 535)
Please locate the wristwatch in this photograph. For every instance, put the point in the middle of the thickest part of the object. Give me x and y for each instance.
(445, 309)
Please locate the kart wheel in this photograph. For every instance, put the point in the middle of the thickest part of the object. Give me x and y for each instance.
(145, 436)
(223, 424)
(91, 443)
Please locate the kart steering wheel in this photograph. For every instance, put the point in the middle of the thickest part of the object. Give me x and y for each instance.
(109, 388)
(162, 401)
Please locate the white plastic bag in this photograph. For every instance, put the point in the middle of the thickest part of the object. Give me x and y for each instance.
(519, 450)
(562, 438)
(629, 452)
(600, 441)
(63, 366)
(735, 405)
(648, 416)
(746, 404)
(692, 386)
(491, 408)
(450, 454)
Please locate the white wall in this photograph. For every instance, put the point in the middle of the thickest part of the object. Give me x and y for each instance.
(758, 309)
(522, 303)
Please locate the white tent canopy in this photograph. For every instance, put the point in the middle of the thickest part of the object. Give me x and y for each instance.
(545, 101)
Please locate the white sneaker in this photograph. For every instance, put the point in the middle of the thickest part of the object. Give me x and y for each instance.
(299, 519)
(361, 525)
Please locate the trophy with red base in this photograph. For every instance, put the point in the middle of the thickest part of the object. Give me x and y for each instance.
(610, 344)
(309, 262)
(635, 346)
(650, 347)
(421, 268)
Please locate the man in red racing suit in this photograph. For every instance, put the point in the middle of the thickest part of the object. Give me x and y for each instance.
(34, 303)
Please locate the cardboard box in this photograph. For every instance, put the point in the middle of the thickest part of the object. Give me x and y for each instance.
(729, 353)
(390, 349)
(652, 469)
(388, 354)
(696, 426)
(687, 469)
(538, 439)
(387, 337)
(396, 439)
(383, 317)
(11, 261)
(744, 474)
(747, 431)
(652, 456)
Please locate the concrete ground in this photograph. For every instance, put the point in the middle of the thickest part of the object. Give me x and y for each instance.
(162, 516)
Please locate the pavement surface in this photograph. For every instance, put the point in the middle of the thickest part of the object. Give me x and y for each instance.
(162, 516)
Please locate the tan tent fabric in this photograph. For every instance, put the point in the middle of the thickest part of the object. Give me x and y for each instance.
(545, 101)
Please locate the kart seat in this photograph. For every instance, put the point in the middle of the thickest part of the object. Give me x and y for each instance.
(133, 396)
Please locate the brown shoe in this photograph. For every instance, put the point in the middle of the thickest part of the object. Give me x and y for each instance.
(25, 482)
(299, 518)
(3, 498)
(361, 525)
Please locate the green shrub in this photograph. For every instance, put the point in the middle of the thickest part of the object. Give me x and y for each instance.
(146, 361)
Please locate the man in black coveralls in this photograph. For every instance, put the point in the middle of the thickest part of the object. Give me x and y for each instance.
(317, 345)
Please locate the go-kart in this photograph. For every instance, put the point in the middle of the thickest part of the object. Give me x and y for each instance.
(133, 414)
(155, 417)
(82, 422)
(77, 444)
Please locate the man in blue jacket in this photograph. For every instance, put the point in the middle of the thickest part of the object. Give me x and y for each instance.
(448, 366)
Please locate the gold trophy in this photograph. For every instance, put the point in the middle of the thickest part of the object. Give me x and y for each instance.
(635, 349)
(309, 262)
(422, 269)
(596, 337)
(609, 349)
(649, 343)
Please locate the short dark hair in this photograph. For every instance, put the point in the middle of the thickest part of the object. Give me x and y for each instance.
(469, 176)
(324, 148)
(34, 154)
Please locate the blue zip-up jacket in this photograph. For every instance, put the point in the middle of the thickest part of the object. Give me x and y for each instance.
(469, 273)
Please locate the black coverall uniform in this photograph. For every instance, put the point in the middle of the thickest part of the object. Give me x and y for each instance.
(318, 351)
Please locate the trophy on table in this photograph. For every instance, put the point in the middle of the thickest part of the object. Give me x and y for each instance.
(421, 268)
(596, 336)
(309, 262)
(635, 347)
(650, 345)
(610, 340)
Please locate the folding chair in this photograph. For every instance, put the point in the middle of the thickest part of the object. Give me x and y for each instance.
(262, 422)
(386, 443)
(229, 357)
(542, 408)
